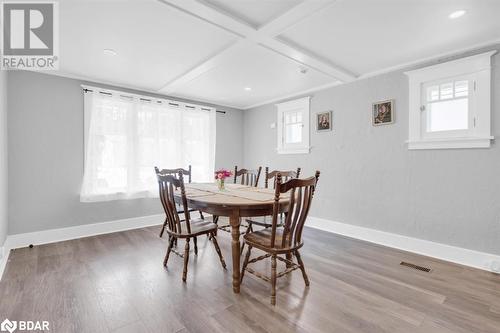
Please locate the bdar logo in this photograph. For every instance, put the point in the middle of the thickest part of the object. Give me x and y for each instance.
(8, 326)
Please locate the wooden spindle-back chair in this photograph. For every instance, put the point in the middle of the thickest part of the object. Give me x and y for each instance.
(249, 178)
(285, 176)
(182, 229)
(175, 173)
(270, 177)
(287, 240)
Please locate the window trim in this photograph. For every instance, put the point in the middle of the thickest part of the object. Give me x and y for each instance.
(478, 66)
(303, 147)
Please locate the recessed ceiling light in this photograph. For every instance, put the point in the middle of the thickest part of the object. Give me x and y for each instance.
(457, 14)
(248, 89)
(110, 52)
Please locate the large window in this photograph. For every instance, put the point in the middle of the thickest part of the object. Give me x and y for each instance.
(450, 104)
(293, 126)
(127, 135)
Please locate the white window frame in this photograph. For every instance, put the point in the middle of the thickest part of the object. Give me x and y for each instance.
(302, 105)
(477, 70)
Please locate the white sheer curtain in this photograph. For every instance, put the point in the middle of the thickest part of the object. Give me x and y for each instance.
(127, 135)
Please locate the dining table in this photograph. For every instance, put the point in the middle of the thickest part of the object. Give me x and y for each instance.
(235, 201)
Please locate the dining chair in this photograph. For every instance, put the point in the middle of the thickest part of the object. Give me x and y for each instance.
(175, 172)
(183, 229)
(283, 241)
(249, 178)
(265, 221)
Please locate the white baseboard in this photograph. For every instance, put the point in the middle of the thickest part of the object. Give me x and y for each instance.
(3, 260)
(86, 230)
(485, 261)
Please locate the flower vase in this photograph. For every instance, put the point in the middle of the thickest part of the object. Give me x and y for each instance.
(220, 183)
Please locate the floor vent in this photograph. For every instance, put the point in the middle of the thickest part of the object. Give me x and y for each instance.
(420, 268)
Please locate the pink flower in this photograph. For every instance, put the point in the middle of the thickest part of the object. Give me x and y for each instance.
(222, 174)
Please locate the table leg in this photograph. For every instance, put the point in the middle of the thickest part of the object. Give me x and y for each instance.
(234, 220)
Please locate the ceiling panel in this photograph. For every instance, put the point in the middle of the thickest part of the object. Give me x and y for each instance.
(366, 35)
(268, 74)
(155, 43)
(254, 12)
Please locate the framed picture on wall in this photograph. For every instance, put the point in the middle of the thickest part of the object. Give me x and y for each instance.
(324, 121)
(383, 113)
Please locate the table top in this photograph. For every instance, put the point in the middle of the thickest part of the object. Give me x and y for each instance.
(235, 200)
(233, 195)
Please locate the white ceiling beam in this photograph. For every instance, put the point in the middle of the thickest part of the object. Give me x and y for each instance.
(305, 58)
(264, 36)
(293, 16)
(206, 65)
(212, 15)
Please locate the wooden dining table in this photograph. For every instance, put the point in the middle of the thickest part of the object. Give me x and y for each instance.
(235, 201)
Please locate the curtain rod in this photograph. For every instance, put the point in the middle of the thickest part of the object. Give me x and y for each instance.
(85, 90)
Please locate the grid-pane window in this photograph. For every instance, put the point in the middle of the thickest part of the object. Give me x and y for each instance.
(293, 126)
(448, 106)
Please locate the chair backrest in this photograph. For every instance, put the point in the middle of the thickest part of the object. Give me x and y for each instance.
(168, 184)
(175, 172)
(248, 177)
(285, 175)
(301, 194)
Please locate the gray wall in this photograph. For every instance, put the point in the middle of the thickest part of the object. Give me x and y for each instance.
(45, 144)
(369, 178)
(3, 157)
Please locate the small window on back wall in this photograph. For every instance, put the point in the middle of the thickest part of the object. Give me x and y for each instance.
(447, 107)
(293, 126)
(450, 104)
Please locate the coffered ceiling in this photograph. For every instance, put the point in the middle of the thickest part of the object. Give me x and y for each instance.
(243, 53)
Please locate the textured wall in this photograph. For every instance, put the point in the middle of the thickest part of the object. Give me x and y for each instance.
(369, 177)
(3, 157)
(46, 156)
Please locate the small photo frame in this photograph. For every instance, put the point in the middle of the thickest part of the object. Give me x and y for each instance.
(324, 121)
(383, 113)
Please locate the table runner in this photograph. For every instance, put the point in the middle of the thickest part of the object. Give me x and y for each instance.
(232, 190)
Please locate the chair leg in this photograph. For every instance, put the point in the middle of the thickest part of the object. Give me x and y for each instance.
(195, 241)
(273, 279)
(163, 228)
(288, 257)
(245, 263)
(215, 219)
(169, 248)
(302, 268)
(186, 260)
(217, 248)
(249, 228)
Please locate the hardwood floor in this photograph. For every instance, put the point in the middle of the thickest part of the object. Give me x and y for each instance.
(116, 283)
